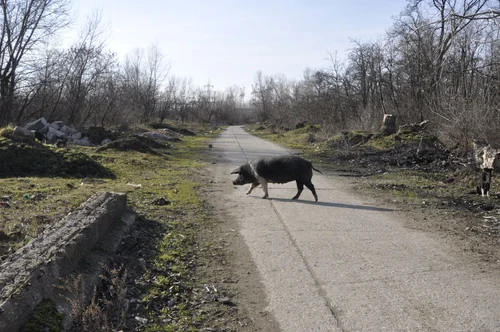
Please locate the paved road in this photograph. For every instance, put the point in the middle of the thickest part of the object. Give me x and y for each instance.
(345, 264)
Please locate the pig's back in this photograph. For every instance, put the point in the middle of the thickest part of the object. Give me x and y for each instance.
(283, 169)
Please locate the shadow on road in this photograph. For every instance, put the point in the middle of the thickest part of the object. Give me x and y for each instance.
(333, 205)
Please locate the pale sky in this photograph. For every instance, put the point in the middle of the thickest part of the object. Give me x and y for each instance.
(228, 41)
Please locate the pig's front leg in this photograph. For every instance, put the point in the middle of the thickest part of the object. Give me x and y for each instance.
(252, 186)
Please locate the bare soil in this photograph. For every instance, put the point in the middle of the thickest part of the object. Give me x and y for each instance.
(437, 188)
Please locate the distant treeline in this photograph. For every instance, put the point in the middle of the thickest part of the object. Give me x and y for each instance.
(84, 84)
(440, 61)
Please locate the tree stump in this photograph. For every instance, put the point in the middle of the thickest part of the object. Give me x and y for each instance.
(389, 125)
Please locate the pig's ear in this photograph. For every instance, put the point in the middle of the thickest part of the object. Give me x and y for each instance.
(236, 171)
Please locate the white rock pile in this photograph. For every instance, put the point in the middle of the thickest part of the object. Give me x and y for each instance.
(58, 132)
(53, 133)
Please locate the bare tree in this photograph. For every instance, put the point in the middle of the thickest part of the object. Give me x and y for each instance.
(230, 104)
(184, 100)
(283, 100)
(262, 96)
(365, 75)
(145, 74)
(168, 99)
(25, 24)
(206, 105)
(48, 76)
(76, 85)
(88, 69)
(452, 20)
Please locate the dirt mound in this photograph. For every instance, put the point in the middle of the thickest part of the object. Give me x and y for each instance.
(98, 134)
(35, 159)
(136, 143)
(182, 131)
(409, 150)
(409, 155)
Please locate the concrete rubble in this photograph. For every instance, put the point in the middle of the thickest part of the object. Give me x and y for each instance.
(55, 132)
(58, 132)
(29, 275)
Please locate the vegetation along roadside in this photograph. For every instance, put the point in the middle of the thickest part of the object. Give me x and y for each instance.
(163, 278)
(412, 170)
(167, 275)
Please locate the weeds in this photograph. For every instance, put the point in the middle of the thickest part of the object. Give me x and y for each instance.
(44, 318)
(157, 291)
(109, 299)
(94, 318)
(74, 288)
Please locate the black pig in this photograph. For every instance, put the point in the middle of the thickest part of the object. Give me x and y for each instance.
(279, 169)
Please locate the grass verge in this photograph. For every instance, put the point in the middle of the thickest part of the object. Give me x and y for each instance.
(157, 261)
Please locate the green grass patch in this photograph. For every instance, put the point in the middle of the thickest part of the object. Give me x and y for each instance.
(409, 138)
(42, 184)
(45, 317)
(7, 132)
(305, 138)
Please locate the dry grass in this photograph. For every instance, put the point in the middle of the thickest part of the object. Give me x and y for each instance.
(39, 199)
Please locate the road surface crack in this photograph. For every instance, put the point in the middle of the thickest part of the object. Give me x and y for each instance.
(321, 291)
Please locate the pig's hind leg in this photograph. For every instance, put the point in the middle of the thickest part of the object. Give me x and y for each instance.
(300, 187)
(310, 186)
(264, 187)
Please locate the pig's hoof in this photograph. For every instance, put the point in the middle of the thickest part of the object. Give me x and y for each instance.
(265, 196)
(247, 193)
(295, 197)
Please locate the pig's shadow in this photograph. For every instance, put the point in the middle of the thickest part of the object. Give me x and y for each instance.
(331, 204)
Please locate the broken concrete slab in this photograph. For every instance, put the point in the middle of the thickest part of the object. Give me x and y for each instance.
(51, 138)
(30, 274)
(170, 132)
(57, 133)
(44, 130)
(76, 136)
(57, 124)
(21, 131)
(53, 135)
(94, 265)
(37, 125)
(68, 130)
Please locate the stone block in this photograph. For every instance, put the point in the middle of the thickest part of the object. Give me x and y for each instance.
(37, 125)
(83, 142)
(51, 138)
(68, 130)
(21, 131)
(57, 133)
(58, 124)
(31, 273)
(44, 130)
